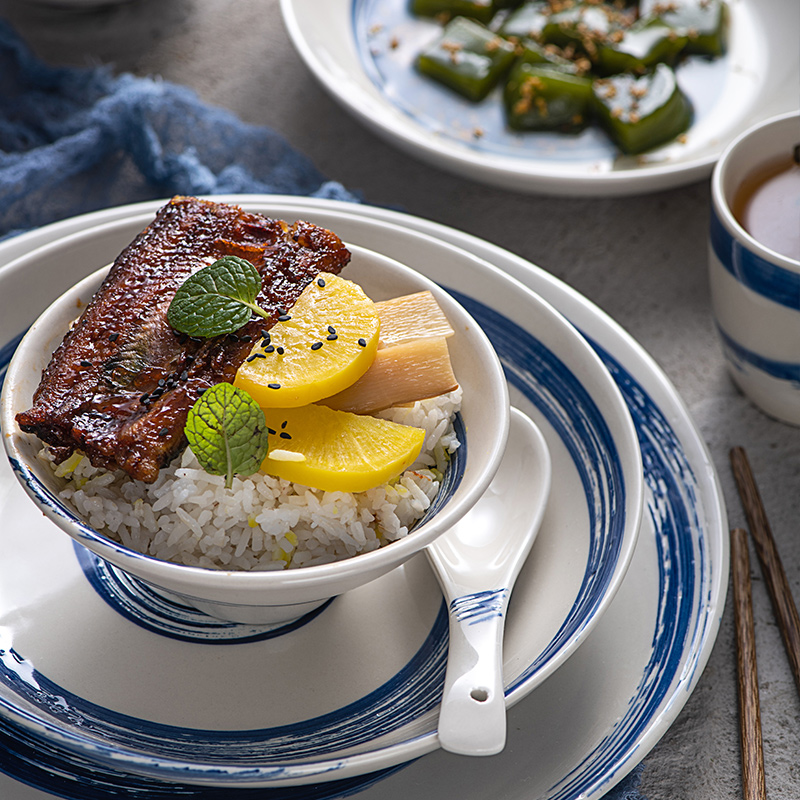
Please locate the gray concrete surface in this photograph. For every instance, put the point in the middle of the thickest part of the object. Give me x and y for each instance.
(641, 259)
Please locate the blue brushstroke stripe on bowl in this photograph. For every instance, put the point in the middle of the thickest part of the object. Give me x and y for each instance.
(738, 355)
(771, 281)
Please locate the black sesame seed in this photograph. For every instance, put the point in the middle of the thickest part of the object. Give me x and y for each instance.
(284, 318)
(316, 345)
(320, 281)
(265, 335)
(280, 351)
(285, 435)
(163, 432)
(270, 348)
(156, 393)
(362, 342)
(112, 337)
(144, 398)
(184, 375)
(331, 329)
(284, 423)
(202, 391)
(281, 310)
(85, 363)
(273, 386)
(162, 382)
(271, 431)
(331, 337)
(246, 338)
(251, 358)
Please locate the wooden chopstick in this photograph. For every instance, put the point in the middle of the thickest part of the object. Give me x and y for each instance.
(754, 785)
(783, 603)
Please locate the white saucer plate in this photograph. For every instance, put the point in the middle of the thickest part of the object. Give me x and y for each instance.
(362, 53)
(286, 719)
(579, 733)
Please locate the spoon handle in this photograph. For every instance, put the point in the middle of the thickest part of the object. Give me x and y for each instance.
(472, 719)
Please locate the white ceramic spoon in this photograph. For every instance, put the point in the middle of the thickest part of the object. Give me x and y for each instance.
(477, 562)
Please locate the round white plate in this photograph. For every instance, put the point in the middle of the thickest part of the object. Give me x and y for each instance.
(383, 645)
(362, 53)
(602, 711)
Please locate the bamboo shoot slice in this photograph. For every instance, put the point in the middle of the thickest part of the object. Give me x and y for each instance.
(399, 374)
(412, 316)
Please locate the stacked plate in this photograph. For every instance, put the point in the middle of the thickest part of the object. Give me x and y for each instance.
(106, 688)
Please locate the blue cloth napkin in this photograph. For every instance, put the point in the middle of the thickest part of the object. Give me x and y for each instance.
(78, 140)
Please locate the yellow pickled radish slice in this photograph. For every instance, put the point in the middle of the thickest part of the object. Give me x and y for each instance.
(333, 450)
(327, 343)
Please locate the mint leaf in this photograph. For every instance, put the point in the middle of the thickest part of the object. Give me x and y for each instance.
(217, 299)
(227, 431)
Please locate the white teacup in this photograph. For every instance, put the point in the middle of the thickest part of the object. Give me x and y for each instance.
(755, 291)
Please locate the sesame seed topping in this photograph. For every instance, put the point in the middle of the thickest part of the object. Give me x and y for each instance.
(280, 351)
(86, 363)
(265, 336)
(163, 432)
(161, 382)
(284, 424)
(320, 282)
(270, 348)
(251, 358)
(316, 345)
(112, 337)
(284, 318)
(271, 431)
(285, 435)
(362, 342)
(331, 329)
(273, 386)
(332, 337)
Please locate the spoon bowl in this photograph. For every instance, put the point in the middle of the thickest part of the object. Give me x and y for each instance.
(476, 563)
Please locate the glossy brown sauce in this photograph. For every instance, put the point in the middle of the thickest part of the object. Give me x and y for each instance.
(767, 206)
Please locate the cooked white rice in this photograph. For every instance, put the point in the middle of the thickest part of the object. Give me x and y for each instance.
(262, 522)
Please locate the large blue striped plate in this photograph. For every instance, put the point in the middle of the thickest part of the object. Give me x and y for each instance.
(595, 716)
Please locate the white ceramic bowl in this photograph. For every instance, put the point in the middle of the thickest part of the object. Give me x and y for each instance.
(277, 596)
(755, 292)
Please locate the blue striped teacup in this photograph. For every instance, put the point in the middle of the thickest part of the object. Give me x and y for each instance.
(755, 291)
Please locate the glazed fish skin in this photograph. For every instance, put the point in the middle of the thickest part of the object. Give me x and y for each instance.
(120, 385)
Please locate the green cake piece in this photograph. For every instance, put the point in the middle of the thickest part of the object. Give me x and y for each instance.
(638, 49)
(527, 21)
(584, 27)
(482, 10)
(640, 113)
(468, 58)
(541, 97)
(705, 23)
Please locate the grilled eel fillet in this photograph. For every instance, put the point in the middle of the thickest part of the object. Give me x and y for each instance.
(120, 385)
